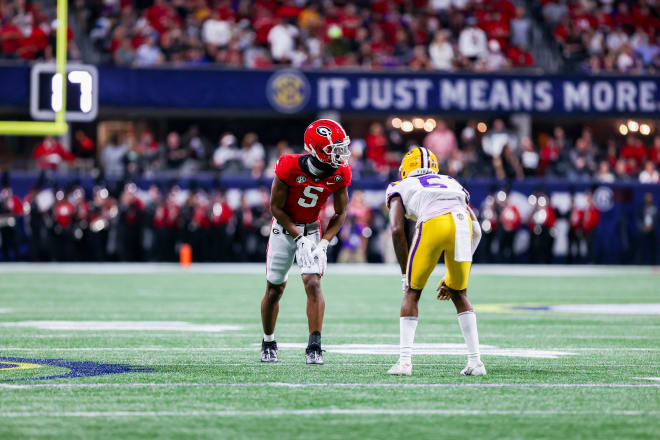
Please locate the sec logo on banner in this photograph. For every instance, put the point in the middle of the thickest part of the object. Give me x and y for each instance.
(288, 91)
(604, 198)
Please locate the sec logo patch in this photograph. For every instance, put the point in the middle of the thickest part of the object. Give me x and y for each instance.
(301, 179)
(288, 91)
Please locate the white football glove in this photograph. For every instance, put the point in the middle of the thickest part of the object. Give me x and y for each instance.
(321, 252)
(304, 249)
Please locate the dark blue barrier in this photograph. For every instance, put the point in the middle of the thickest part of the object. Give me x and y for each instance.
(291, 91)
(616, 236)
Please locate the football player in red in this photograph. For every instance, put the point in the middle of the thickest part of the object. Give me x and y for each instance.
(302, 185)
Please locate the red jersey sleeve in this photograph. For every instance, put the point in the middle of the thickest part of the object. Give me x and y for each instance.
(347, 176)
(283, 168)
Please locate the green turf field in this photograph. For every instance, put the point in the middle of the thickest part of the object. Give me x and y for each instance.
(189, 346)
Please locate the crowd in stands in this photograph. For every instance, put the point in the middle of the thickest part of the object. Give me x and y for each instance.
(64, 221)
(501, 153)
(27, 32)
(607, 35)
(497, 152)
(479, 35)
(485, 35)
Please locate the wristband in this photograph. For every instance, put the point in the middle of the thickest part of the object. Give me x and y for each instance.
(297, 238)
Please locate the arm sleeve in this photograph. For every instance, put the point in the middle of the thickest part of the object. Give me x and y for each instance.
(348, 177)
(282, 168)
(392, 190)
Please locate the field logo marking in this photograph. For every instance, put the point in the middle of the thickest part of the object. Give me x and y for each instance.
(179, 326)
(18, 365)
(76, 368)
(581, 309)
(434, 349)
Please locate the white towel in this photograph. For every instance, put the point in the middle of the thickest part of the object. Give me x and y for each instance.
(462, 240)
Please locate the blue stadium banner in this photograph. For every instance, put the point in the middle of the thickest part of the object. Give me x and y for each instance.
(291, 91)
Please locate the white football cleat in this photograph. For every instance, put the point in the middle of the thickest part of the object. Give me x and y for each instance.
(476, 370)
(400, 369)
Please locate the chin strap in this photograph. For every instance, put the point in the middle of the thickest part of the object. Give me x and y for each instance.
(319, 168)
(313, 169)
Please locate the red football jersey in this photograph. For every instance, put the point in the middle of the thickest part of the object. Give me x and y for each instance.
(307, 194)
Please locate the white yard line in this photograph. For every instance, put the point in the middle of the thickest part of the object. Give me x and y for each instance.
(434, 337)
(291, 346)
(327, 411)
(333, 269)
(325, 385)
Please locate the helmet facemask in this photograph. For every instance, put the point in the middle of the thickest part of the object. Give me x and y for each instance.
(339, 153)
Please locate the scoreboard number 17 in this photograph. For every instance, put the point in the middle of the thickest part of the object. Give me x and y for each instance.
(81, 92)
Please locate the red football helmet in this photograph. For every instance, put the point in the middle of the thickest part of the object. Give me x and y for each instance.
(327, 141)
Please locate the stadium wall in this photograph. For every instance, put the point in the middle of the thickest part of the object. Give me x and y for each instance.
(291, 91)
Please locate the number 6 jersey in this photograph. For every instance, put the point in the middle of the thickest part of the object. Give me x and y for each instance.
(429, 195)
(307, 193)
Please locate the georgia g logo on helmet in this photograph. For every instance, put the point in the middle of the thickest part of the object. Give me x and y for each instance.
(323, 131)
(327, 141)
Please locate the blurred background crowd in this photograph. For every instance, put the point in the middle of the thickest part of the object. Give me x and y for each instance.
(120, 221)
(480, 35)
(469, 150)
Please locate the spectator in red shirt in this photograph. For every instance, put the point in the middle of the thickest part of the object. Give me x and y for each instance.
(654, 151)
(32, 44)
(510, 220)
(634, 149)
(63, 213)
(84, 145)
(160, 15)
(10, 36)
(50, 154)
(376, 146)
(590, 222)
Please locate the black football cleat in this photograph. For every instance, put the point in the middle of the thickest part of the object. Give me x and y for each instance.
(268, 351)
(314, 355)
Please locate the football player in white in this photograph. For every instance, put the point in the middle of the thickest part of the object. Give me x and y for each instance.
(445, 223)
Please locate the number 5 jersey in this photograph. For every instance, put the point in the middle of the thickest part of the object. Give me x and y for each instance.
(308, 193)
(430, 195)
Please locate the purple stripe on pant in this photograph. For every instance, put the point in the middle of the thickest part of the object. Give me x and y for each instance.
(412, 256)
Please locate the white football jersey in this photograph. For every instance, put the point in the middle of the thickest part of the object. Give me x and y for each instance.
(428, 195)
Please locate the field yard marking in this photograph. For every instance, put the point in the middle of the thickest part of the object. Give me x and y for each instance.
(369, 349)
(124, 334)
(656, 379)
(624, 309)
(327, 411)
(180, 326)
(333, 269)
(4, 310)
(127, 349)
(434, 349)
(325, 385)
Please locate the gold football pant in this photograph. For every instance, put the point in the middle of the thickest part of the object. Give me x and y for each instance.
(432, 238)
